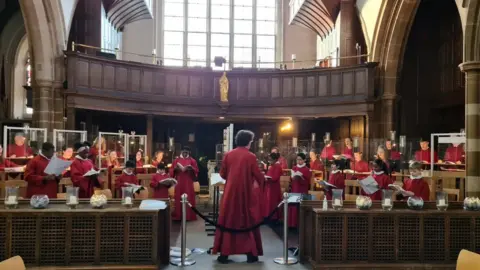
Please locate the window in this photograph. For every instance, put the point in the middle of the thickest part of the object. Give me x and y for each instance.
(196, 31)
(28, 82)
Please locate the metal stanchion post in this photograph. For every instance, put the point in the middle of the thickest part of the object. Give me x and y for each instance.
(285, 260)
(183, 261)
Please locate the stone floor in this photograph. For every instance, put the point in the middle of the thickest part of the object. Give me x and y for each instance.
(197, 238)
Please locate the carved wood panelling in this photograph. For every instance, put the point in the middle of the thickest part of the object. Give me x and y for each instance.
(93, 77)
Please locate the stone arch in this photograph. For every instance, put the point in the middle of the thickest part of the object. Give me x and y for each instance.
(45, 27)
(472, 32)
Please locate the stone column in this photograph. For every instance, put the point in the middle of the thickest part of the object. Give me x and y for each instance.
(472, 127)
(347, 33)
(42, 104)
(71, 121)
(58, 106)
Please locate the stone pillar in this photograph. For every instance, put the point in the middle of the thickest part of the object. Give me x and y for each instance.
(149, 136)
(472, 127)
(387, 114)
(347, 33)
(71, 121)
(59, 106)
(42, 104)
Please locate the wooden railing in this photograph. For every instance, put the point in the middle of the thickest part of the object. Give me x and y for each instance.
(135, 86)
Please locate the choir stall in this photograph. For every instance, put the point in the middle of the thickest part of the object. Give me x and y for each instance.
(377, 239)
(109, 238)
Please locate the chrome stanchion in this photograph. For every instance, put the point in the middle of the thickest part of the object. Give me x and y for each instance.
(183, 260)
(285, 260)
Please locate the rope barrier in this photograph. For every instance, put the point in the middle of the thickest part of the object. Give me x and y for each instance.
(232, 230)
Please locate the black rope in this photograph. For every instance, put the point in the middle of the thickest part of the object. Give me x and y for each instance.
(231, 230)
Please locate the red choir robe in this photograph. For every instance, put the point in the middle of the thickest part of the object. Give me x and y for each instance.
(283, 163)
(328, 152)
(139, 168)
(19, 150)
(316, 165)
(124, 179)
(394, 155)
(155, 163)
(5, 163)
(34, 175)
(66, 173)
(272, 192)
(383, 180)
(86, 184)
(299, 185)
(455, 154)
(160, 191)
(359, 166)
(348, 152)
(240, 204)
(184, 185)
(337, 179)
(419, 187)
(425, 156)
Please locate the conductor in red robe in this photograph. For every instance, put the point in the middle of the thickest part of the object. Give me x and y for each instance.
(282, 160)
(185, 171)
(238, 209)
(40, 183)
(424, 155)
(81, 165)
(273, 191)
(300, 184)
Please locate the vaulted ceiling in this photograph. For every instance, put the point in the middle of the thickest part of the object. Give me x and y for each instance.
(317, 15)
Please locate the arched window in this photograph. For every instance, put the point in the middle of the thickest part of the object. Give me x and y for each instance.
(28, 88)
(28, 73)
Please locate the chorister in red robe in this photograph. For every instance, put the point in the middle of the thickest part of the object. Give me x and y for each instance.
(160, 190)
(425, 156)
(336, 178)
(38, 182)
(283, 163)
(240, 202)
(348, 152)
(5, 163)
(316, 165)
(87, 185)
(328, 152)
(383, 180)
(418, 186)
(185, 181)
(298, 185)
(358, 165)
(15, 150)
(272, 192)
(455, 153)
(123, 179)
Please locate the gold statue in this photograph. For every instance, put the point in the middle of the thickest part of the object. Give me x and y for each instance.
(223, 87)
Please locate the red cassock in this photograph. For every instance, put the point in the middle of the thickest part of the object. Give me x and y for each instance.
(86, 184)
(337, 179)
(425, 156)
(273, 192)
(299, 185)
(455, 154)
(316, 165)
(19, 150)
(124, 179)
(383, 180)
(93, 154)
(34, 175)
(419, 187)
(348, 152)
(328, 152)
(283, 163)
(359, 166)
(160, 191)
(184, 185)
(394, 155)
(155, 163)
(240, 204)
(5, 163)
(139, 168)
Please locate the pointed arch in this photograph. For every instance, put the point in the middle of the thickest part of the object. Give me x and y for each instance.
(472, 32)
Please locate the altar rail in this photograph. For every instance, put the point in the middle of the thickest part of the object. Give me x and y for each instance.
(106, 84)
(58, 236)
(377, 239)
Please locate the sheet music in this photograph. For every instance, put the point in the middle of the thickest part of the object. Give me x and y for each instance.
(57, 166)
(152, 205)
(326, 184)
(369, 185)
(91, 172)
(216, 179)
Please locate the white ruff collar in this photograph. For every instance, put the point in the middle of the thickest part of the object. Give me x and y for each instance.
(301, 166)
(335, 171)
(416, 177)
(378, 173)
(127, 173)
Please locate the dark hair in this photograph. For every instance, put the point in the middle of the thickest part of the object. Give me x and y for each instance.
(64, 148)
(244, 137)
(159, 151)
(275, 156)
(313, 150)
(130, 164)
(87, 144)
(186, 148)
(46, 146)
(415, 165)
(161, 166)
(302, 156)
(380, 164)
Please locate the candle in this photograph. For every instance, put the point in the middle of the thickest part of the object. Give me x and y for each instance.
(403, 141)
(128, 200)
(294, 57)
(327, 136)
(441, 202)
(355, 142)
(337, 202)
(260, 142)
(12, 200)
(73, 199)
(294, 141)
(314, 137)
(387, 202)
